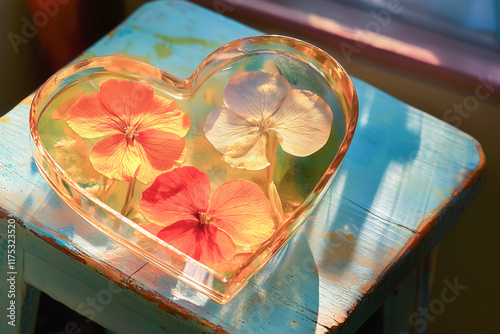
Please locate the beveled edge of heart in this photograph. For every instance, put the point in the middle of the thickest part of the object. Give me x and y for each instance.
(332, 71)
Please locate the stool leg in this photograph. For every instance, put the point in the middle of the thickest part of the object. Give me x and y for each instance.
(405, 310)
(29, 308)
(18, 301)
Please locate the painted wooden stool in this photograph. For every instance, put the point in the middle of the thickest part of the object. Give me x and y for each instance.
(405, 181)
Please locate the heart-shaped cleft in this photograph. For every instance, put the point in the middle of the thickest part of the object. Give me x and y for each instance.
(205, 177)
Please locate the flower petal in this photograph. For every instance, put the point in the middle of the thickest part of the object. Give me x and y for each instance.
(163, 114)
(126, 100)
(115, 158)
(203, 242)
(90, 118)
(303, 123)
(176, 195)
(240, 208)
(223, 127)
(73, 156)
(159, 152)
(248, 152)
(255, 94)
(62, 111)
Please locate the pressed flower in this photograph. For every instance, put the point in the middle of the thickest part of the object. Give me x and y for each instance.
(207, 227)
(62, 111)
(144, 132)
(72, 155)
(257, 104)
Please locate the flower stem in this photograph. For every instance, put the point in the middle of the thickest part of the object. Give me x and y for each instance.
(274, 199)
(108, 186)
(129, 197)
(272, 144)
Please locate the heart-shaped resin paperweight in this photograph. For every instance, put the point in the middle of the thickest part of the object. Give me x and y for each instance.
(205, 177)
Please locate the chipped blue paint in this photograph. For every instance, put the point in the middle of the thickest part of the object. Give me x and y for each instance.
(34, 168)
(68, 231)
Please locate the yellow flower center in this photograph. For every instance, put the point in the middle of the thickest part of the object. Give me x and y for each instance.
(130, 132)
(204, 218)
(265, 124)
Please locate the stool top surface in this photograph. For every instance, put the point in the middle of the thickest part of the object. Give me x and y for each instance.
(405, 181)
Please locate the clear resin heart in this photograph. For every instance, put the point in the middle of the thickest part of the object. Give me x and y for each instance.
(205, 177)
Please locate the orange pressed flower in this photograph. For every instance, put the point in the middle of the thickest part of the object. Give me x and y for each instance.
(203, 226)
(144, 132)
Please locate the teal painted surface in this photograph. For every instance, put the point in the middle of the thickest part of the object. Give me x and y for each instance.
(29, 308)
(19, 301)
(405, 181)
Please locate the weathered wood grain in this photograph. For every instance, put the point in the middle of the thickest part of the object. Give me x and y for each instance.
(405, 181)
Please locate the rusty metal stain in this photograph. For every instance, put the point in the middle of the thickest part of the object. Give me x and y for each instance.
(162, 51)
(112, 33)
(181, 40)
(471, 178)
(259, 299)
(337, 255)
(438, 193)
(170, 307)
(187, 40)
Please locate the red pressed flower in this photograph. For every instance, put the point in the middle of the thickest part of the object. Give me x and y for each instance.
(203, 226)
